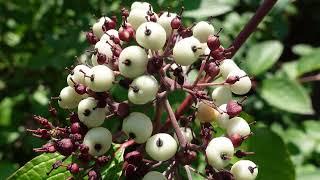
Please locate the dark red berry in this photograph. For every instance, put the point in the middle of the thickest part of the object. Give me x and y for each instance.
(91, 38)
(233, 108)
(133, 157)
(236, 140)
(124, 12)
(212, 69)
(80, 89)
(65, 146)
(213, 42)
(73, 168)
(93, 175)
(154, 65)
(103, 160)
(176, 23)
(101, 58)
(122, 110)
(232, 79)
(124, 35)
(74, 117)
(125, 83)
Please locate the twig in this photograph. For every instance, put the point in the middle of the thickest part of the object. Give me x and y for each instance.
(196, 171)
(188, 172)
(310, 78)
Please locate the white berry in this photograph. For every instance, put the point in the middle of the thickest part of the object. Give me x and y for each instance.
(144, 6)
(151, 35)
(97, 27)
(78, 73)
(238, 125)
(165, 21)
(143, 89)
(242, 86)
(186, 132)
(111, 32)
(98, 140)
(161, 147)
(202, 30)
(154, 175)
(137, 17)
(206, 113)
(244, 170)
(137, 125)
(221, 95)
(219, 152)
(187, 51)
(69, 98)
(89, 114)
(226, 66)
(223, 118)
(101, 78)
(133, 61)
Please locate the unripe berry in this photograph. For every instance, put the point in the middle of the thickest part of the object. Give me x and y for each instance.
(165, 21)
(223, 118)
(212, 69)
(98, 140)
(69, 98)
(151, 35)
(242, 86)
(143, 89)
(226, 66)
(206, 113)
(187, 51)
(221, 95)
(154, 175)
(138, 126)
(89, 114)
(202, 30)
(238, 125)
(187, 133)
(133, 61)
(65, 146)
(219, 152)
(101, 78)
(244, 170)
(161, 147)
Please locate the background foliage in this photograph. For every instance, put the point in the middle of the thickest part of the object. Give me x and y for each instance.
(39, 38)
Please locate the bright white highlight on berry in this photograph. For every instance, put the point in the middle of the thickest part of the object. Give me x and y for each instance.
(154, 175)
(69, 98)
(133, 61)
(98, 140)
(244, 170)
(139, 125)
(219, 152)
(151, 35)
(242, 86)
(187, 51)
(143, 89)
(89, 114)
(202, 30)
(238, 125)
(161, 147)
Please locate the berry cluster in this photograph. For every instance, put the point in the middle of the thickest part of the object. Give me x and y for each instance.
(151, 55)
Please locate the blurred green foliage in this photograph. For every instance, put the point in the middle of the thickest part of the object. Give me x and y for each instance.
(39, 38)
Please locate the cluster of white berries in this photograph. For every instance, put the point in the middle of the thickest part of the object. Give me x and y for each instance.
(162, 44)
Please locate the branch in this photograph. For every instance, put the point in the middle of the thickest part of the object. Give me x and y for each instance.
(174, 122)
(251, 26)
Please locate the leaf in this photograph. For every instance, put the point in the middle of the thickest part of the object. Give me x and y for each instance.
(287, 95)
(309, 63)
(38, 167)
(211, 8)
(271, 155)
(7, 168)
(262, 56)
(309, 175)
(113, 169)
(302, 49)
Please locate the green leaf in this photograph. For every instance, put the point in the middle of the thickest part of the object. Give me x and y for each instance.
(7, 168)
(211, 8)
(287, 95)
(309, 63)
(302, 49)
(271, 156)
(113, 169)
(309, 175)
(262, 56)
(38, 167)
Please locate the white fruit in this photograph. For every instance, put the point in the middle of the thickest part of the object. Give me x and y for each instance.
(89, 114)
(244, 170)
(69, 98)
(186, 51)
(165, 21)
(144, 6)
(223, 118)
(238, 125)
(186, 132)
(78, 73)
(101, 78)
(154, 175)
(221, 95)
(202, 30)
(161, 147)
(110, 32)
(97, 27)
(143, 89)
(103, 48)
(137, 17)
(226, 66)
(133, 61)
(69, 82)
(139, 125)
(151, 35)
(219, 152)
(98, 140)
(206, 113)
(242, 86)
